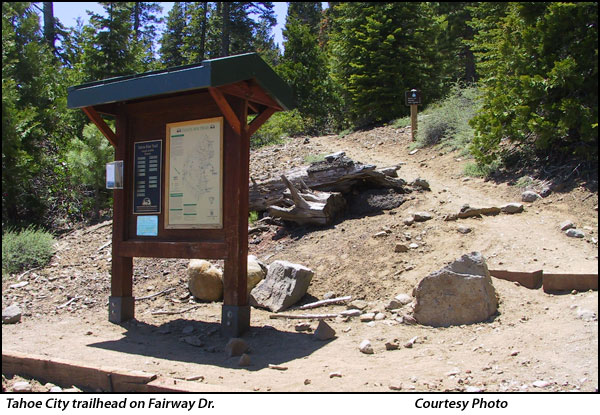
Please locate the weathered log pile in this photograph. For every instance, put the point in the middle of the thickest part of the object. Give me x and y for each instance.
(314, 194)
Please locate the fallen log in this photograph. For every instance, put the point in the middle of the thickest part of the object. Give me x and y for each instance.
(308, 206)
(337, 173)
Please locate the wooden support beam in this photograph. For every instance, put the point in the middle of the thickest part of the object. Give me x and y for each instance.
(260, 120)
(226, 109)
(102, 126)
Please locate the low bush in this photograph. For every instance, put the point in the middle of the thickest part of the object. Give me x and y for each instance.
(26, 249)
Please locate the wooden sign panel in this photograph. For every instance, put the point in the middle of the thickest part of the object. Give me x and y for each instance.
(194, 174)
(412, 97)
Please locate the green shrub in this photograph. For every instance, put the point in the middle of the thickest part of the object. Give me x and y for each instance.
(252, 217)
(280, 126)
(26, 249)
(447, 122)
(481, 170)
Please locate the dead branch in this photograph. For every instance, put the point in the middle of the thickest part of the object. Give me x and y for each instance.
(303, 316)
(325, 302)
(160, 312)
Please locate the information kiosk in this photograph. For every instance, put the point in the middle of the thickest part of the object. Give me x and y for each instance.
(184, 142)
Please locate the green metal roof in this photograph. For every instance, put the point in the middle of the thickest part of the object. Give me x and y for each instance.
(209, 73)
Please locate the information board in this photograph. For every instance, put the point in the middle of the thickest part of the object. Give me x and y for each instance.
(194, 174)
(147, 176)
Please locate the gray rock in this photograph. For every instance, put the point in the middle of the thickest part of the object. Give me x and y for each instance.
(367, 317)
(358, 305)
(392, 345)
(422, 216)
(575, 233)
(302, 327)
(413, 245)
(324, 331)
(529, 196)
(366, 347)
(329, 295)
(236, 347)
(244, 360)
(401, 248)
(393, 305)
(541, 384)
(566, 225)
(463, 229)
(192, 341)
(11, 315)
(408, 221)
(188, 330)
(460, 293)
(403, 298)
(587, 315)
(511, 208)
(22, 387)
(55, 389)
(545, 192)
(284, 285)
(205, 280)
(422, 183)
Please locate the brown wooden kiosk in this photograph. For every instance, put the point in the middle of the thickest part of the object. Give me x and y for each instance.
(183, 136)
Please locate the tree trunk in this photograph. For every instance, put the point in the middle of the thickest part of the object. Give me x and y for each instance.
(225, 35)
(49, 26)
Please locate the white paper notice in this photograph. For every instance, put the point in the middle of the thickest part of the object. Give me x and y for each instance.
(195, 176)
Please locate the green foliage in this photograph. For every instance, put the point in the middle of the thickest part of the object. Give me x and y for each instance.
(280, 126)
(305, 68)
(380, 50)
(86, 160)
(447, 122)
(27, 249)
(252, 217)
(479, 170)
(539, 66)
(314, 158)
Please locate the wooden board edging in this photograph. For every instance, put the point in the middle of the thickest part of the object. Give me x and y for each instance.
(106, 379)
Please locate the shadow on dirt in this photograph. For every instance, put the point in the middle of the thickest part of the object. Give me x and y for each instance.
(205, 345)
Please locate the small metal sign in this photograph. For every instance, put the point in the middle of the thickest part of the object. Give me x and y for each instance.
(412, 97)
(147, 226)
(147, 177)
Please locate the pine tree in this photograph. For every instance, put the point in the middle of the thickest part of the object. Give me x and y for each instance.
(380, 50)
(172, 41)
(539, 68)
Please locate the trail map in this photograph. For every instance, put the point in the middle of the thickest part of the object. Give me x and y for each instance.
(195, 176)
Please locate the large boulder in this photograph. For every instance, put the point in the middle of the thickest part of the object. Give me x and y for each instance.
(284, 285)
(460, 293)
(256, 272)
(205, 280)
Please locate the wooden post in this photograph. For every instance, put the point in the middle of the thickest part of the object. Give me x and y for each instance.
(121, 302)
(413, 121)
(235, 317)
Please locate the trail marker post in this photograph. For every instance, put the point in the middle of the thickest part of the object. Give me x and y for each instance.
(413, 98)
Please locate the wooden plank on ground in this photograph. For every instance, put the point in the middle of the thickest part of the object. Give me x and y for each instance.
(569, 282)
(67, 373)
(526, 279)
(164, 384)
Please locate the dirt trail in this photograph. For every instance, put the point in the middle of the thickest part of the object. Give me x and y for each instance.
(535, 337)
